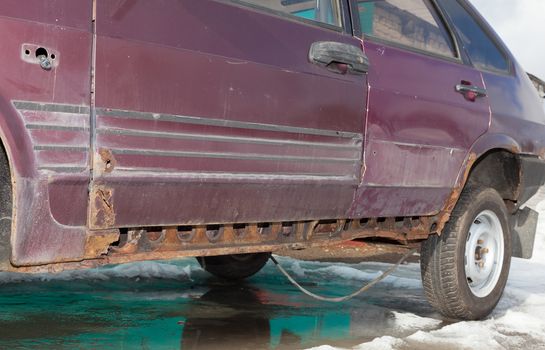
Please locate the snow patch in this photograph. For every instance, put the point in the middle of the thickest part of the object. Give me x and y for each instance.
(465, 335)
(517, 323)
(297, 269)
(148, 269)
(407, 276)
(324, 347)
(523, 322)
(408, 321)
(382, 343)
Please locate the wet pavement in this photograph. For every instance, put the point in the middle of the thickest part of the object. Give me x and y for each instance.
(176, 305)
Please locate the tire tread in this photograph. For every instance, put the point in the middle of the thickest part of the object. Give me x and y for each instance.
(439, 266)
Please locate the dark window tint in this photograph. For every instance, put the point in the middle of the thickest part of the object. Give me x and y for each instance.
(481, 49)
(413, 23)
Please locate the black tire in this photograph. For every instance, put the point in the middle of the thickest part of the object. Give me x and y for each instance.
(234, 267)
(443, 258)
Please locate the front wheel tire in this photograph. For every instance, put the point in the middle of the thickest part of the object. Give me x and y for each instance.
(464, 271)
(234, 267)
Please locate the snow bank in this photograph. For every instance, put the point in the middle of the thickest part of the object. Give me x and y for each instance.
(408, 321)
(408, 278)
(148, 269)
(465, 335)
(382, 343)
(517, 323)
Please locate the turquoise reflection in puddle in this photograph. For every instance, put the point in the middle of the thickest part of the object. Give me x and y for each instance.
(177, 305)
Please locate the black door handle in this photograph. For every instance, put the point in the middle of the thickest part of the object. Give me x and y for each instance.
(328, 53)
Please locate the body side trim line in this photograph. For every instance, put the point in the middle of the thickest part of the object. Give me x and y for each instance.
(55, 127)
(223, 175)
(63, 169)
(50, 107)
(60, 148)
(226, 155)
(75, 109)
(224, 123)
(171, 135)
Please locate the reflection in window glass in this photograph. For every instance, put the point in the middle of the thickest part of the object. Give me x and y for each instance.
(481, 49)
(324, 11)
(412, 23)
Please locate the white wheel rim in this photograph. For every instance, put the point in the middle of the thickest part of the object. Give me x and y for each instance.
(484, 254)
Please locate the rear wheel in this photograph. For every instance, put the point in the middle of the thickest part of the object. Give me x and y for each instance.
(464, 271)
(234, 267)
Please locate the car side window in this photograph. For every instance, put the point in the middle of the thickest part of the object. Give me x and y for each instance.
(322, 11)
(412, 23)
(482, 51)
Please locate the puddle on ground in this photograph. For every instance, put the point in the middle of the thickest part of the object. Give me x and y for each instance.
(148, 306)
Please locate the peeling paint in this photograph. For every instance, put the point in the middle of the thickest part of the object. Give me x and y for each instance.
(102, 213)
(445, 213)
(98, 244)
(108, 161)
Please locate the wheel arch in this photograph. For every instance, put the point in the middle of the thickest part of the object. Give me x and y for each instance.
(7, 203)
(16, 163)
(500, 163)
(474, 169)
(494, 160)
(499, 169)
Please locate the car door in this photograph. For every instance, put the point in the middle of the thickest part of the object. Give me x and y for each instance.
(214, 112)
(426, 109)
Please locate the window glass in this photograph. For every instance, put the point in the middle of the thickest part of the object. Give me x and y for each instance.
(481, 49)
(412, 23)
(324, 11)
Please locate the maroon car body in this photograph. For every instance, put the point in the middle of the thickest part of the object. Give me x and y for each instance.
(139, 129)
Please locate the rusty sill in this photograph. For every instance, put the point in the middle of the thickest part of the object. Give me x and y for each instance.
(165, 243)
(238, 238)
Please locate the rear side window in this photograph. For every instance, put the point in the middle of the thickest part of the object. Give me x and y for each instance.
(412, 23)
(322, 11)
(482, 51)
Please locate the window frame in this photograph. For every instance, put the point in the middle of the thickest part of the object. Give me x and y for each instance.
(345, 27)
(489, 33)
(458, 53)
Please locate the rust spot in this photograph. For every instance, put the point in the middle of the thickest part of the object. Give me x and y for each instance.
(155, 236)
(102, 209)
(444, 215)
(193, 240)
(301, 234)
(108, 160)
(131, 246)
(229, 233)
(97, 243)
